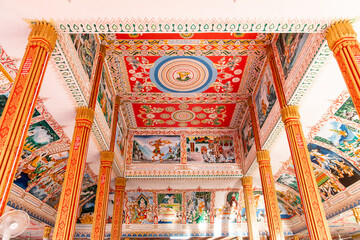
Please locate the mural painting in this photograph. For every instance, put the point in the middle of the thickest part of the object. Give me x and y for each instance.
(265, 97)
(156, 149)
(169, 208)
(4, 95)
(348, 111)
(247, 135)
(260, 206)
(286, 212)
(120, 140)
(141, 207)
(39, 135)
(87, 193)
(289, 46)
(104, 98)
(210, 149)
(327, 186)
(198, 206)
(85, 45)
(339, 167)
(288, 180)
(292, 199)
(230, 211)
(41, 169)
(87, 211)
(341, 136)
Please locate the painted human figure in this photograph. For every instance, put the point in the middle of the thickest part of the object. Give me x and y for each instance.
(157, 151)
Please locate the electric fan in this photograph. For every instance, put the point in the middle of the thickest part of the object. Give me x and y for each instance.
(13, 223)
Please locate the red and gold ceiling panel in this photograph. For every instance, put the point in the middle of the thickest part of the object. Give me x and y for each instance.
(183, 115)
(213, 35)
(229, 73)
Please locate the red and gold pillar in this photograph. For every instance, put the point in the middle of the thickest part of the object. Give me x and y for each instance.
(15, 120)
(70, 194)
(267, 181)
(250, 208)
(309, 192)
(116, 226)
(102, 196)
(47, 231)
(342, 41)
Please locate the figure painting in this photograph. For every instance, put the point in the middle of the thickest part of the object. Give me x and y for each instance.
(341, 136)
(265, 98)
(288, 180)
(247, 135)
(230, 211)
(85, 45)
(156, 149)
(327, 186)
(120, 140)
(141, 207)
(339, 167)
(210, 149)
(87, 211)
(39, 135)
(289, 46)
(292, 199)
(286, 212)
(348, 111)
(104, 98)
(198, 206)
(169, 208)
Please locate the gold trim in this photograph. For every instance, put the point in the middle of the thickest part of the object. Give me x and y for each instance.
(85, 113)
(42, 30)
(120, 181)
(6, 74)
(338, 30)
(290, 112)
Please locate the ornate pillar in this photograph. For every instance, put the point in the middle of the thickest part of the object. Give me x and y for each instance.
(270, 198)
(356, 212)
(116, 226)
(47, 231)
(17, 114)
(70, 194)
(267, 181)
(342, 41)
(309, 192)
(102, 196)
(250, 208)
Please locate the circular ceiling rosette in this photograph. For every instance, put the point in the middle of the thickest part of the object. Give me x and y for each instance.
(188, 74)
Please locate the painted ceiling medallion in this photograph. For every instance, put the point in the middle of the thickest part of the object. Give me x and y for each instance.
(188, 74)
(183, 116)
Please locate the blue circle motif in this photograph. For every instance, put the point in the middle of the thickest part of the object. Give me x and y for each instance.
(200, 64)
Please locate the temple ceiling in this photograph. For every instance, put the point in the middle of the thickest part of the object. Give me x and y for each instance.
(189, 89)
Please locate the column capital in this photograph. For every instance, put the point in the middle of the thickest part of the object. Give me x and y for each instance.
(44, 33)
(106, 158)
(85, 113)
(120, 182)
(338, 31)
(247, 182)
(290, 112)
(356, 212)
(47, 231)
(263, 157)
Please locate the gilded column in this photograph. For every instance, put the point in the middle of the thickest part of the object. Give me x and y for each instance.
(342, 41)
(116, 226)
(309, 192)
(47, 231)
(270, 198)
(17, 114)
(250, 208)
(102, 196)
(267, 181)
(70, 194)
(356, 212)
